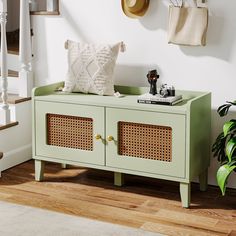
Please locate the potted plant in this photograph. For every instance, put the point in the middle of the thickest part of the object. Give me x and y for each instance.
(224, 147)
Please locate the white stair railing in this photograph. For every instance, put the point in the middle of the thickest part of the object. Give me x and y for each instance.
(4, 111)
(26, 75)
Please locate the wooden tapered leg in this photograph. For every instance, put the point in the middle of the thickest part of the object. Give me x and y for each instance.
(63, 166)
(203, 180)
(185, 192)
(118, 179)
(39, 170)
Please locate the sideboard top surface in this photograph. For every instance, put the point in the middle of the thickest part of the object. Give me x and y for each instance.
(128, 101)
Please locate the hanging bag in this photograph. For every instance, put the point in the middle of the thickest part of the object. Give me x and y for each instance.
(187, 25)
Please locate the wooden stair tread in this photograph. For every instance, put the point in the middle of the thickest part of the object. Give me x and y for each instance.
(44, 13)
(11, 73)
(14, 99)
(2, 127)
(13, 48)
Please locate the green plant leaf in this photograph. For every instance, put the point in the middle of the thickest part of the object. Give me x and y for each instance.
(230, 147)
(223, 109)
(228, 127)
(232, 103)
(218, 148)
(223, 174)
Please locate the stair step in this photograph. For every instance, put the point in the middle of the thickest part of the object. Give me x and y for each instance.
(12, 73)
(2, 127)
(1, 155)
(14, 99)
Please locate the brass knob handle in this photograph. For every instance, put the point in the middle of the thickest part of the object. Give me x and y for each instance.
(97, 136)
(110, 138)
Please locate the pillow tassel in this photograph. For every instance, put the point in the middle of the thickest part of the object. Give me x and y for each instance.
(122, 47)
(66, 44)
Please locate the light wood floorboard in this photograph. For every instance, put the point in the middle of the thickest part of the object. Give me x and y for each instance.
(146, 203)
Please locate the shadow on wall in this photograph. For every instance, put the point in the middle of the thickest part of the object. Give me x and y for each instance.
(72, 23)
(44, 70)
(220, 36)
(156, 16)
(220, 40)
(133, 75)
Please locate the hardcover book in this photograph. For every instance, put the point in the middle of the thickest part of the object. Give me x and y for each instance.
(157, 99)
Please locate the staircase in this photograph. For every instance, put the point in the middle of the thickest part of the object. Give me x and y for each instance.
(16, 85)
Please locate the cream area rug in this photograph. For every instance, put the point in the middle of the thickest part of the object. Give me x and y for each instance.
(18, 220)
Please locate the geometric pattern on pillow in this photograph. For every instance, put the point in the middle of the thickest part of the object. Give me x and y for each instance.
(91, 67)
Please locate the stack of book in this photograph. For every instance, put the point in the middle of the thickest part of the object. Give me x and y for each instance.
(157, 99)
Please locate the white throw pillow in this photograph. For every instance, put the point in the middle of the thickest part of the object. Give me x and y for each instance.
(90, 68)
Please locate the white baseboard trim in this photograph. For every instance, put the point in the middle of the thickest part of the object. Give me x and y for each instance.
(16, 157)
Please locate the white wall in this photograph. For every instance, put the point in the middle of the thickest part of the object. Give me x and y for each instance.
(211, 68)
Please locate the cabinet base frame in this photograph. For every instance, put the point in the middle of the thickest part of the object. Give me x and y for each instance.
(119, 180)
(185, 194)
(39, 170)
(203, 177)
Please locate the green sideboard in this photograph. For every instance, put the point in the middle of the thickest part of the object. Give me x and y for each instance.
(123, 136)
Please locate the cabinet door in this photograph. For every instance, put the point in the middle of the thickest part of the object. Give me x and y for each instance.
(146, 141)
(67, 131)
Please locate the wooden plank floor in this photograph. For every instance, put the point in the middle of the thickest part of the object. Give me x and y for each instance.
(146, 203)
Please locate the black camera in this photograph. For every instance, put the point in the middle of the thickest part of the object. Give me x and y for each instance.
(167, 91)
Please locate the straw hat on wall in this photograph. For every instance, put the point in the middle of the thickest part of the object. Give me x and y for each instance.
(134, 8)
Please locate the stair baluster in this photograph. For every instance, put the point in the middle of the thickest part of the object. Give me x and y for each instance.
(4, 111)
(26, 75)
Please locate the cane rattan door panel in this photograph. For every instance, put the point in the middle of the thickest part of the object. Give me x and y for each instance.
(70, 131)
(67, 131)
(146, 141)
